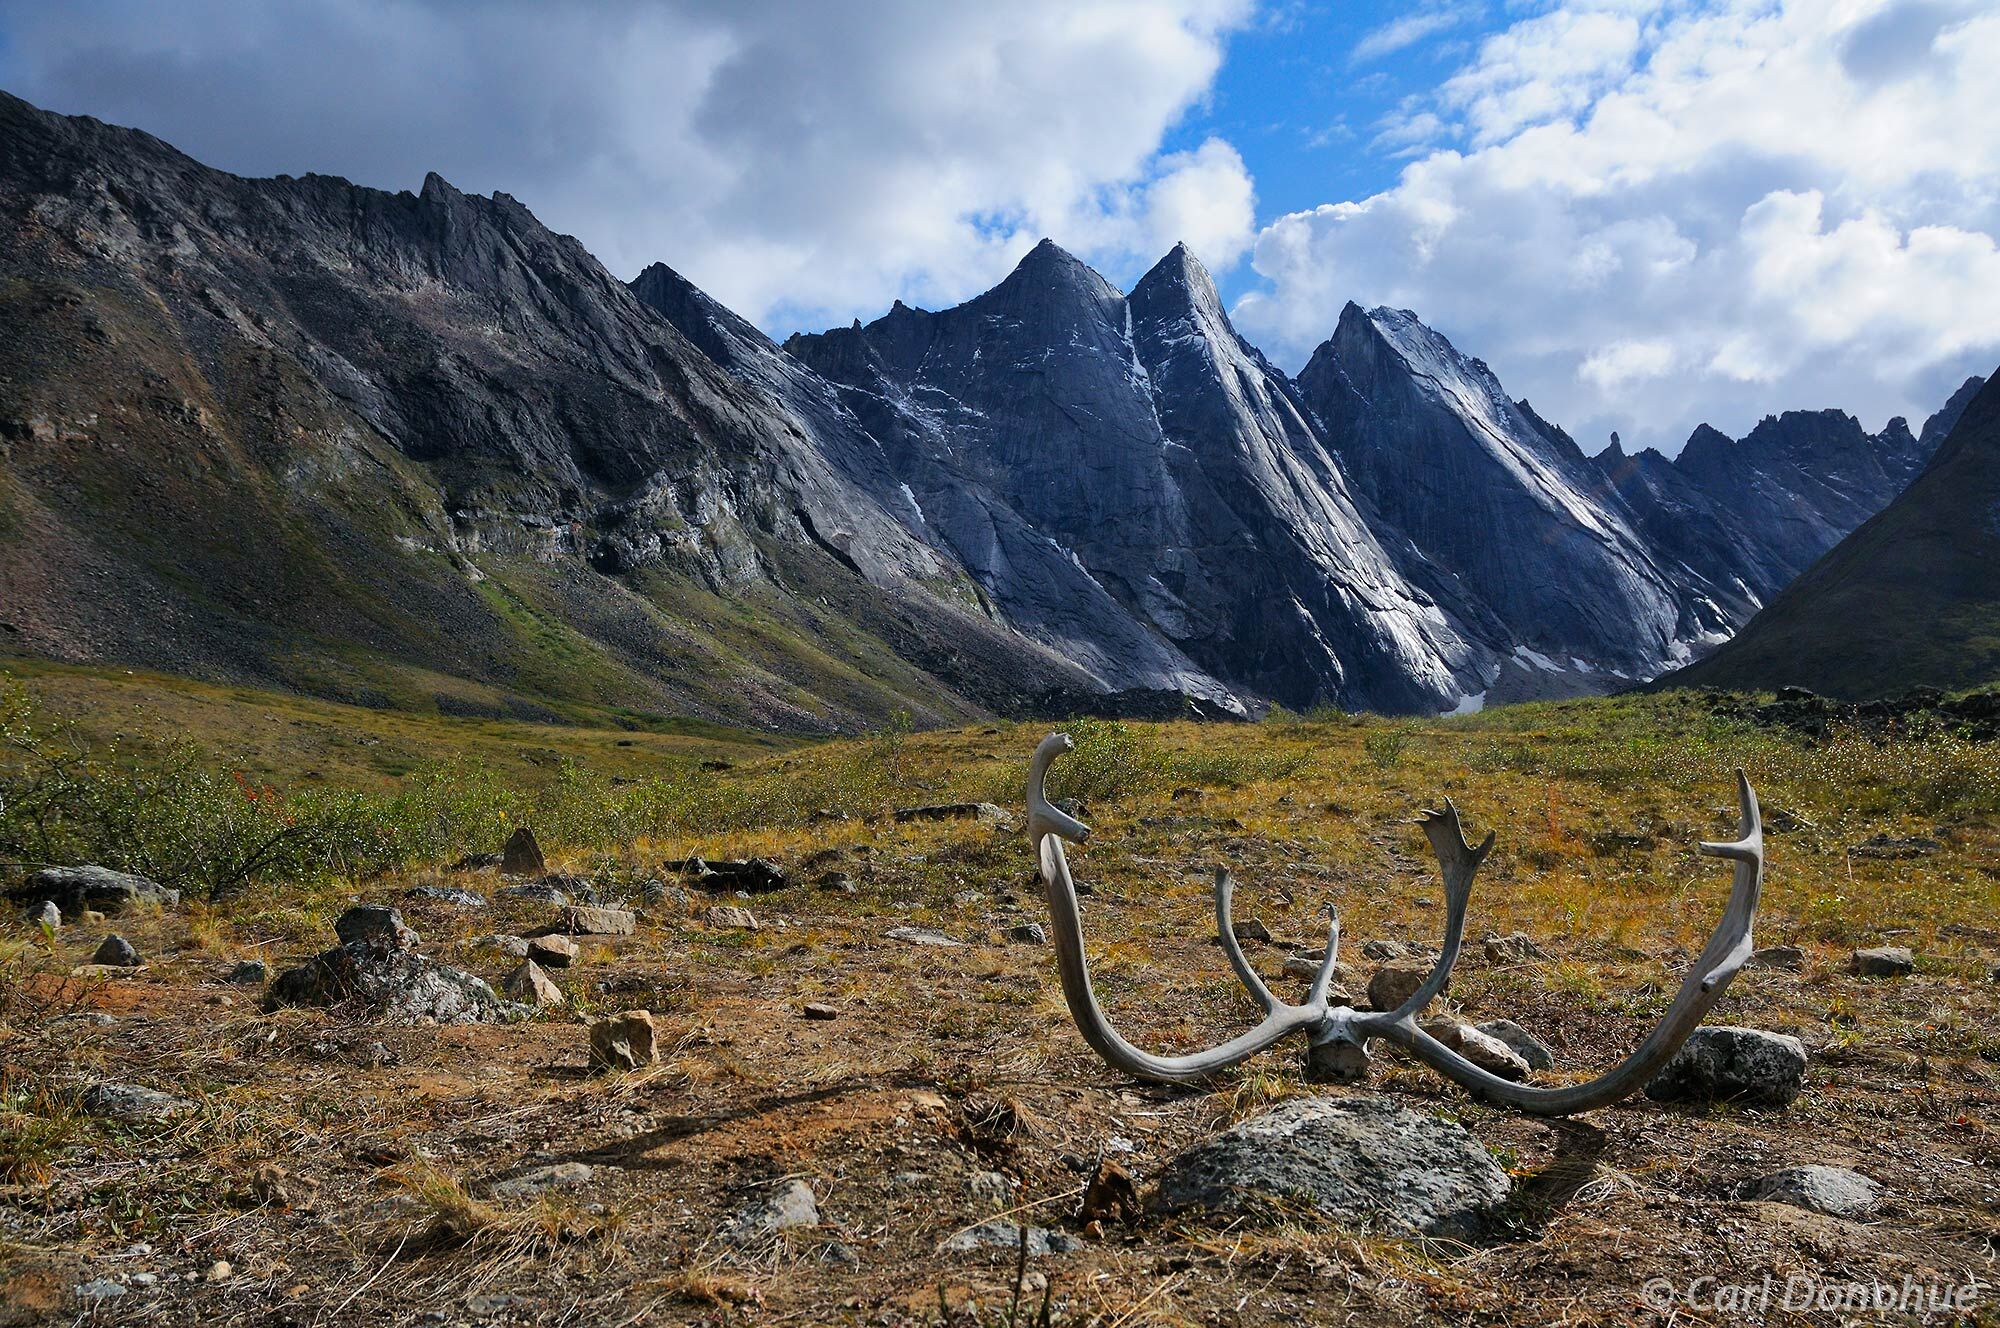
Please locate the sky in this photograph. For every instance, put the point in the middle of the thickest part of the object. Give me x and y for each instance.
(1643, 216)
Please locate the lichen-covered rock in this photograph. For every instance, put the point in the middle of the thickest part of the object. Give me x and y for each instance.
(1884, 961)
(1000, 1234)
(788, 1205)
(1395, 983)
(1722, 1063)
(249, 973)
(1835, 1191)
(132, 1103)
(445, 894)
(624, 1041)
(374, 924)
(581, 920)
(75, 890)
(1517, 948)
(397, 985)
(1523, 1043)
(1365, 1161)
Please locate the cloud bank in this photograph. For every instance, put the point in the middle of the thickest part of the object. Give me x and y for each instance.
(1649, 216)
(804, 163)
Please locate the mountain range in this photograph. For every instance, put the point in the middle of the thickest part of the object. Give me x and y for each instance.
(418, 450)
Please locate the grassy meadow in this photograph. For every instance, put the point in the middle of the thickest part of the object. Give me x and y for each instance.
(273, 814)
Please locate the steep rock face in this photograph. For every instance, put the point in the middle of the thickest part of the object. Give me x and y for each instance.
(1516, 513)
(368, 443)
(1940, 424)
(1910, 598)
(1160, 455)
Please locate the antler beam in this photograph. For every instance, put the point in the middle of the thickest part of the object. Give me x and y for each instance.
(1338, 1035)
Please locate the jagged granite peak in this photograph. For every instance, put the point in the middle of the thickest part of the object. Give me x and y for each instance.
(1173, 465)
(1945, 418)
(344, 439)
(1908, 599)
(1517, 514)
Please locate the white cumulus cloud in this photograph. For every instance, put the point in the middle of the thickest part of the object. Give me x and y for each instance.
(805, 163)
(1647, 216)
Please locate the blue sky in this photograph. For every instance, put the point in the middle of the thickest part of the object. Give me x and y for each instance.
(1633, 210)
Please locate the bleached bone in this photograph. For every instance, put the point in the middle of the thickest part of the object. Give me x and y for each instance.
(1337, 1035)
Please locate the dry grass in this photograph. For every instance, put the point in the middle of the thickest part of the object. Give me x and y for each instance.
(946, 1063)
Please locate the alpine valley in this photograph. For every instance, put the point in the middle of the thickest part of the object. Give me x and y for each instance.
(416, 450)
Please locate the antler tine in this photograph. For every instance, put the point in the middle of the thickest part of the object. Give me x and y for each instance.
(1044, 818)
(1047, 829)
(1225, 890)
(1460, 863)
(1719, 962)
(1324, 978)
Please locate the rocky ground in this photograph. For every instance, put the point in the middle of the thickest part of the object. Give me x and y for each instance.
(861, 1082)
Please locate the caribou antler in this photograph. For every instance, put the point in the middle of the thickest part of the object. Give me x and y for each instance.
(1338, 1035)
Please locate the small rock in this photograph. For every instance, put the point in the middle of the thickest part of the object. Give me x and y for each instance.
(553, 951)
(514, 947)
(1514, 949)
(444, 894)
(1722, 1063)
(1395, 983)
(751, 876)
(1484, 1050)
(1000, 1234)
(1298, 966)
(1382, 950)
(991, 1189)
(527, 1184)
(116, 952)
(374, 924)
(534, 892)
(1834, 1191)
(1777, 956)
(1885, 961)
(478, 862)
(76, 890)
(1252, 929)
(732, 917)
(1994, 976)
(102, 1288)
(218, 998)
(791, 1204)
(1364, 1161)
(1027, 933)
(922, 936)
(46, 914)
(623, 1041)
(819, 1010)
(523, 855)
(220, 1271)
(249, 973)
(531, 986)
(983, 812)
(132, 1103)
(838, 883)
(579, 920)
(1523, 1043)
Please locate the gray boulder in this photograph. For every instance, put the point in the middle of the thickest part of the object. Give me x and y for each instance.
(1395, 983)
(45, 914)
(533, 892)
(374, 924)
(249, 973)
(923, 936)
(74, 890)
(1366, 1162)
(1000, 1234)
(1484, 1050)
(397, 985)
(581, 920)
(1834, 1191)
(537, 1180)
(1884, 961)
(132, 1103)
(1524, 1044)
(116, 951)
(791, 1204)
(1725, 1064)
(445, 894)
